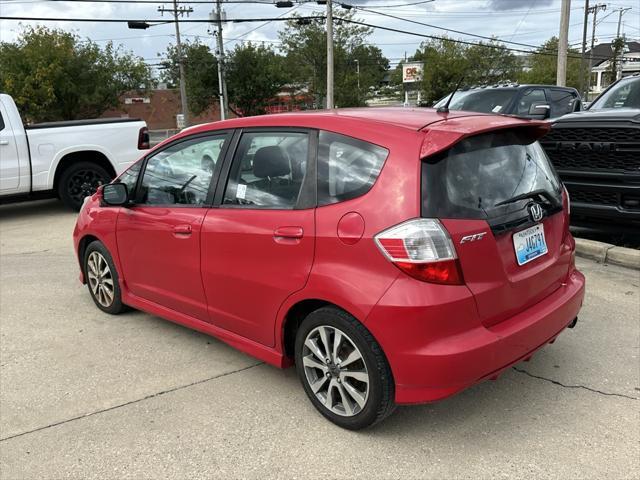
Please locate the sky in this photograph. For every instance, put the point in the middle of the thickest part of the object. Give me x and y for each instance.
(529, 22)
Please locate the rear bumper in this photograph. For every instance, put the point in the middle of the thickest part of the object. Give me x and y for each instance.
(433, 356)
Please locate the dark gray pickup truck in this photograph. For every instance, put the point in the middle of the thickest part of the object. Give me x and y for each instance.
(597, 154)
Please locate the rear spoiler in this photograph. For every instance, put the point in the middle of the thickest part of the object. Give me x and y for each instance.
(442, 135)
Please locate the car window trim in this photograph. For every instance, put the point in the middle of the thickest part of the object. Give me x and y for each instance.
(214, 175)
(307, 197)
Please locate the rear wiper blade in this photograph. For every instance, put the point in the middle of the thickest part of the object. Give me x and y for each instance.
(533, 194)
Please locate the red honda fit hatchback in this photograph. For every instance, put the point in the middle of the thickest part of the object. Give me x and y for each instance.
(394, 255)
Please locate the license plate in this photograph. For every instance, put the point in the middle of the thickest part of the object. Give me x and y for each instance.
(529, 244)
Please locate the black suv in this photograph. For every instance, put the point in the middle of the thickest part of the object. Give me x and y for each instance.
(529, 101)
(597, 154)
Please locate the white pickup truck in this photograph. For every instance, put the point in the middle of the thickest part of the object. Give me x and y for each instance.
(68, 159)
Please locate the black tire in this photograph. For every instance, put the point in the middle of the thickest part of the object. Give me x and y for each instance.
(80, 180)
(115, 306)
(380, 400)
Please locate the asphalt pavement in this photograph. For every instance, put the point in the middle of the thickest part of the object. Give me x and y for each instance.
(87, 395)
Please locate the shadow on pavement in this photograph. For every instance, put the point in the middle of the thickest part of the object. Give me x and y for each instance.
(9, 211)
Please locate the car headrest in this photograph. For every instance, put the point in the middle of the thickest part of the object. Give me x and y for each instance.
(270, 162)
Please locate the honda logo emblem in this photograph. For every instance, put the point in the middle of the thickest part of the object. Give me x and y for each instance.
(536, 212)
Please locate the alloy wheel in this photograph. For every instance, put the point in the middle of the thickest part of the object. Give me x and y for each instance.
(335, 371)
(84, 183)
(100, 279)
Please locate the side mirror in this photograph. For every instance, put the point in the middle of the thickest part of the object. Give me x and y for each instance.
(115, 194)
(539, 111)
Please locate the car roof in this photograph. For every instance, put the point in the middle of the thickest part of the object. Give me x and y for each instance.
(445, 128)
(513, 86)
(414, 119)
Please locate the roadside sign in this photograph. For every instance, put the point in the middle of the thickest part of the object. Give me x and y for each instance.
(180, 124)
(412, 72)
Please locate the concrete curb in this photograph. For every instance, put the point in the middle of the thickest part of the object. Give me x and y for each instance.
(607, 253)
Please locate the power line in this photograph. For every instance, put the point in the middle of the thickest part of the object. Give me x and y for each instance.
(493, 39)
(460, 32)
(464, 42)
(124, 20)
(260, 26)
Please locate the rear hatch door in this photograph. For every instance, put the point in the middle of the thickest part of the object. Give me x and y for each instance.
(502, 203)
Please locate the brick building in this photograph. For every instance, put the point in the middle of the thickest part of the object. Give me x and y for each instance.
(159, 109)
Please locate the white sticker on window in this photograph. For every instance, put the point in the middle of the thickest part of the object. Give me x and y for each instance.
(497, 108)
(242, 191)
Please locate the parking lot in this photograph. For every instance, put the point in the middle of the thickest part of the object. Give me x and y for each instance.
(88, 395)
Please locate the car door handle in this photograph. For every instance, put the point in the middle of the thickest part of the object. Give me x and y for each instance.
(182, 230)
(288, 232)
(4, 142)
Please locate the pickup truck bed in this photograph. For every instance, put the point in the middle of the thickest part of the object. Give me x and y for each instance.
(69, 159)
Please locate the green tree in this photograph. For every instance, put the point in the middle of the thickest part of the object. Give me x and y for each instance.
(446, 62)
(543, 65)
(304, 45)
(617, 46)
(255, 74)
(200, 70)
(53, 75)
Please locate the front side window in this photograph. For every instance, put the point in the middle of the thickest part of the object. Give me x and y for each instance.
(562, 102)
(530, 97)
(268, 170)
(347, 167)
(181, 174)
(130, 177)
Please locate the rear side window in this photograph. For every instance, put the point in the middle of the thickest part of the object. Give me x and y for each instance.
(347, 167)
(479, 177)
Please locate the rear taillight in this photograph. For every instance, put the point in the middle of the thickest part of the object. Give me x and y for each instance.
(143, 139)
(422, 249)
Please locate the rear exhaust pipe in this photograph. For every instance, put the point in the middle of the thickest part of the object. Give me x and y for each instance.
(573, 323)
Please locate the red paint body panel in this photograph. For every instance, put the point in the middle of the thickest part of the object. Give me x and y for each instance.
(238, 272)
(248, 271)
(160, 264)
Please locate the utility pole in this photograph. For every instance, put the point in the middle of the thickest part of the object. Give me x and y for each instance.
(330, 104)
(222, 84)
(563, 43)
(584, 47)
(619, 61)
(595, 9)
(178, 12)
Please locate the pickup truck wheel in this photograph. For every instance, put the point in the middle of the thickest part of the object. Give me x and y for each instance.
(81, 180)
(343, 370)
(102, 279)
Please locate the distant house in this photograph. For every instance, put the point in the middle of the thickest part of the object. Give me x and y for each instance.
(602, 55)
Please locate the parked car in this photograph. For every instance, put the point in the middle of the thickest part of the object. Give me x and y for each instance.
(538, 102)
(68, 159)
(396, 256)
(597, 155)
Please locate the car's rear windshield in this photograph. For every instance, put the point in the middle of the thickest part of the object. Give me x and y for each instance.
(481, 177)
(484, 101)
